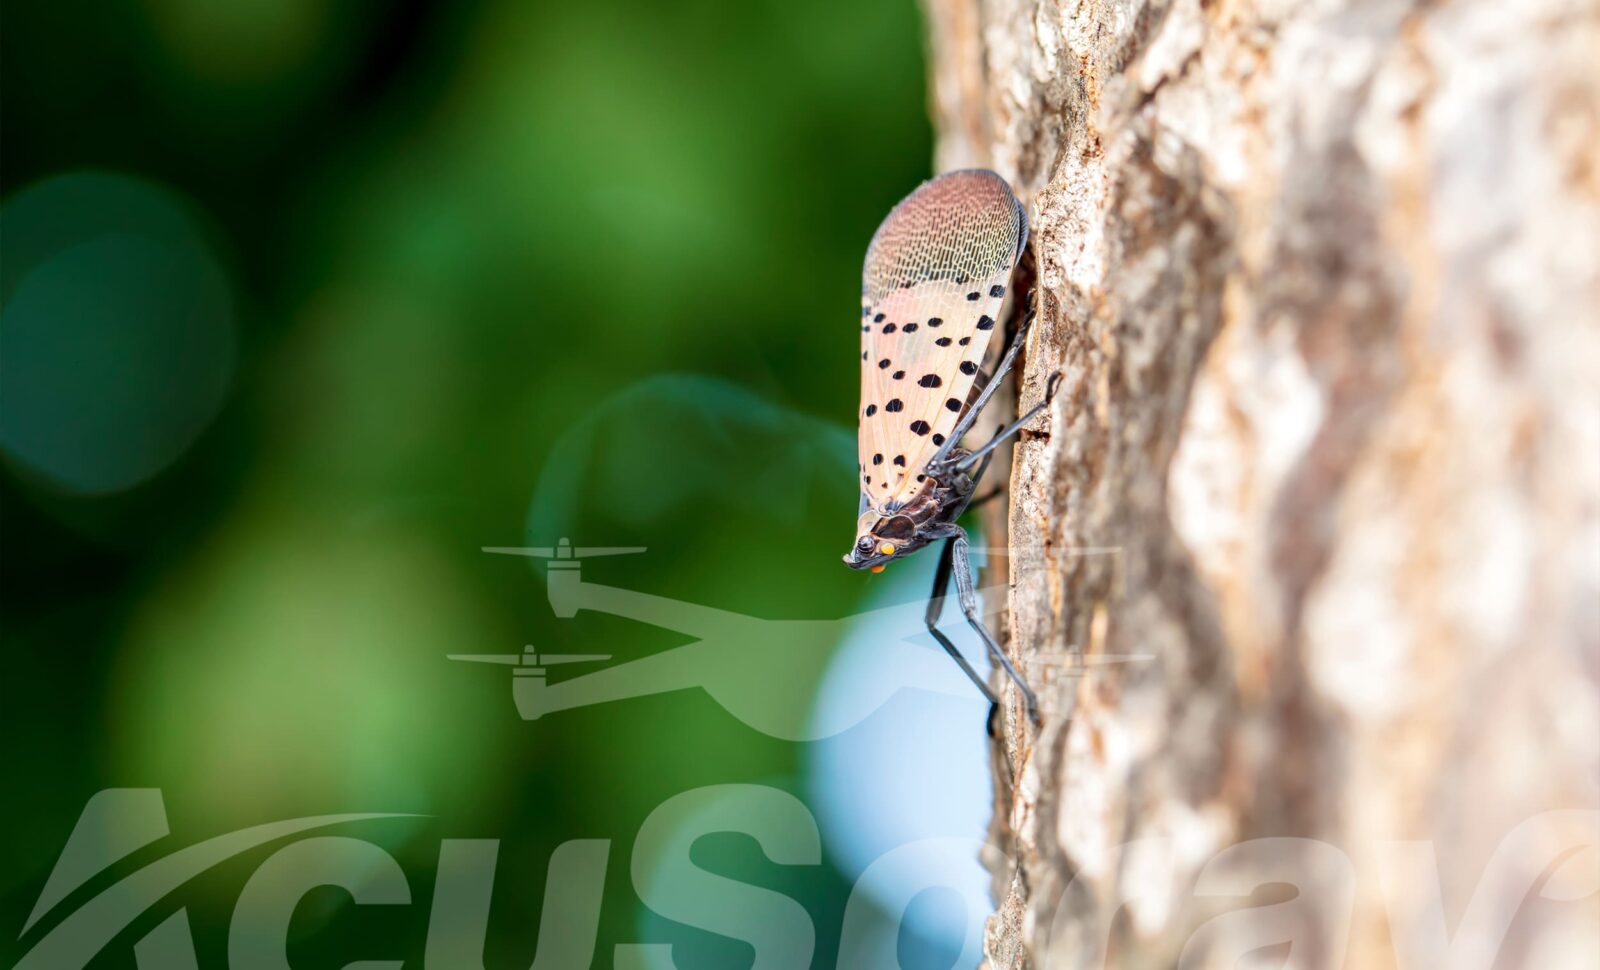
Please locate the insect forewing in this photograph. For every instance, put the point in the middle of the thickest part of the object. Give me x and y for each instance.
(935, 277)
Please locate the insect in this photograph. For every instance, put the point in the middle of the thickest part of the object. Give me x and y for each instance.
(935, 278)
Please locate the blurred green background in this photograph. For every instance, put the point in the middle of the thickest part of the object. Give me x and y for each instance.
(299, 297)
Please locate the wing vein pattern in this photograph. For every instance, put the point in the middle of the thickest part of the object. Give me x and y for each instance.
(935, 279)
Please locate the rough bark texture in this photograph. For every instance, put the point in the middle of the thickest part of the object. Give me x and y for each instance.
(1321, 278)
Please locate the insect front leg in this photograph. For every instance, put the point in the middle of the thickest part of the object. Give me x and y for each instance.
(968, 596)
(1006, 363)
(973, 479)
(1009, 430)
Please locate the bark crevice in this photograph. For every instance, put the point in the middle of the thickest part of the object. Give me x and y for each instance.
(1324, 467)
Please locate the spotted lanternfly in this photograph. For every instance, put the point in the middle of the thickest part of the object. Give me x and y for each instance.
(935, 278)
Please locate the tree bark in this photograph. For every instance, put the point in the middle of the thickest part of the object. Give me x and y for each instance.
(1309, 543)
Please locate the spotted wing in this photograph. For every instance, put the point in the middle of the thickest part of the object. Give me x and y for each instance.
(934, 281)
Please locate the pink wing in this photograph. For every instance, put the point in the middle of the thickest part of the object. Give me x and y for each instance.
(934, 281)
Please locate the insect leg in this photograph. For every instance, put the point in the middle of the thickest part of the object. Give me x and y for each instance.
(1010, 429)
(941, 586)
(987, 454)
(987, 497)
(975, 478)
(1006, 363)
(969, 605)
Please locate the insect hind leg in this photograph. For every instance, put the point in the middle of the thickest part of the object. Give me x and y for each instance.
(968, 596)
(941, 588)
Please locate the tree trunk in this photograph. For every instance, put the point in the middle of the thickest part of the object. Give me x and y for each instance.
(1309, 545)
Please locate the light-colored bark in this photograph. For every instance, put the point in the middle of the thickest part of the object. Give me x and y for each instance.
(1322, 277)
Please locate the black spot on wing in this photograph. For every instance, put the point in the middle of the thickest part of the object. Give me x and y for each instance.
(973, 295)
(894, 405)
(930, 380)
(938, 439)
(898, 374)
(878, 318)
(943, 341)
(871, 410)
(911, 328)
(997, 290)
(888, 328)
(919, 427)
(900, 460)
(883, 364)
(935, 322)
(986, 322)
(968, 368)
(877, 459)
(953, 404)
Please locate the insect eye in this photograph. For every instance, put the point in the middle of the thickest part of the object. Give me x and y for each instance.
(865, 544)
